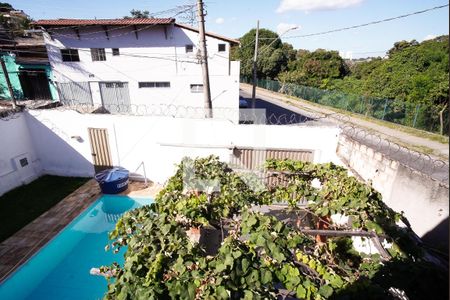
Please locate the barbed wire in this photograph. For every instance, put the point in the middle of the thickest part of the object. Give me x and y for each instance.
(435, 168)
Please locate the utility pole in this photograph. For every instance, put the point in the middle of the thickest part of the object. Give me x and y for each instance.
(204, 60)
(8, 82)
(255, 57)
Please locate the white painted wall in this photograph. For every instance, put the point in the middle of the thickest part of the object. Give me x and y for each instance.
(423, 199)
(154, 56)
(161, 142)
(16, 144)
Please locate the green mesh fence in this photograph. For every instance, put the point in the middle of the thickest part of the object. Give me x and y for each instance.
(420, 116)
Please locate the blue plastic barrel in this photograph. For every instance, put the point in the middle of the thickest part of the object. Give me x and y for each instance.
(113, 181)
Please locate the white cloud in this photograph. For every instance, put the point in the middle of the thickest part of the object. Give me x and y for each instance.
(310, 5)
(284, 27)
(429, 37)
(220, 20)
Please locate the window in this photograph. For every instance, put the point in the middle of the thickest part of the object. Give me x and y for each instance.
(196, 88)
(70, 55)
(189, 48)
(23, 162)
(114, 85)
(154, 84)
(222, 47)
(98, 54)
(115, 52)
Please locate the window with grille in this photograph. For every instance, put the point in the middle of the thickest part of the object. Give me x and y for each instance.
(189, 48)
(98, 54)
(196, 88)
(115, 52)
(70, 55)
(222, 47)
(154, 84)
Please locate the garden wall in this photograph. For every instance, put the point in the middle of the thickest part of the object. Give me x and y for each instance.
(423, 199)
(19, 163)
(62, 141)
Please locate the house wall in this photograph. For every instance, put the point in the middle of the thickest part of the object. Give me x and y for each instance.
(161, 142)
(17, 144)
(158, 54)
(12, 69)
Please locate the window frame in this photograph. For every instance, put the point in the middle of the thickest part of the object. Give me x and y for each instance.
(70, 55)
(154, 84)
(196, 88)
(224, 47)
(98, 54)
(189, 48)
(115, 51)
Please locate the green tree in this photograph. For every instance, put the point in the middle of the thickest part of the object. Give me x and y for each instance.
(138, 14)
(316, 68)
(273, 55)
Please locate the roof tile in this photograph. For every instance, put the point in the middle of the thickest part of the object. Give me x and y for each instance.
(87, 22)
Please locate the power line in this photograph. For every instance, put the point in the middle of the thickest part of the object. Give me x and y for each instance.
(368, 24)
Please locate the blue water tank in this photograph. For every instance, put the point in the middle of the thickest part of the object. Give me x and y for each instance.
(113, 181)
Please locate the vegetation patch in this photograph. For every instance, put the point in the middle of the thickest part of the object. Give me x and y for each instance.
(25, 203)
(262, 256)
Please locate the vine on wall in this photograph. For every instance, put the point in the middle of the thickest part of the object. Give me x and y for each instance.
(261, 257)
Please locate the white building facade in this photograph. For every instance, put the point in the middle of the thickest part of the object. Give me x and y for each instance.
(138, 64)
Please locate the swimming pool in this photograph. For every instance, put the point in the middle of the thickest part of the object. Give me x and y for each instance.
(60, 270)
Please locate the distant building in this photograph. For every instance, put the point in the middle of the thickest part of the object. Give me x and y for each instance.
(124, 63)
(28, 69)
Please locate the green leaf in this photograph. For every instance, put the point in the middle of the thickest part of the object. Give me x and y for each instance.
(245, 264)
(222, 292)
(326, 291)
(300, 292)
(266, 276)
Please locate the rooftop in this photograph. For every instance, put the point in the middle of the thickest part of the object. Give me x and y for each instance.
(49, 23)
(87, 22)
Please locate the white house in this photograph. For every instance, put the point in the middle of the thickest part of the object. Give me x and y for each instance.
(138, 64)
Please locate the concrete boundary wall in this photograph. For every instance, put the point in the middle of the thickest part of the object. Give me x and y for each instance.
(59, 141)
(19, 163)
(424, 200)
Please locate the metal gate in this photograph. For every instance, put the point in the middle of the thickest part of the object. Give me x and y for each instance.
(34, 84)
(101, 154)
(254, 158)
(75, 93)
(115, 96)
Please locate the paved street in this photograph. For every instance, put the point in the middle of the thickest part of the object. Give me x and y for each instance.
(277, 109)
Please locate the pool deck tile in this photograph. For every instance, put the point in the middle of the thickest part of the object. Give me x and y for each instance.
(18, 248)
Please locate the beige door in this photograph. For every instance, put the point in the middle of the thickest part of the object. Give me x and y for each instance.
(101, 154)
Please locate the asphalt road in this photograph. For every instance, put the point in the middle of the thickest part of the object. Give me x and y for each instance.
(279, 112)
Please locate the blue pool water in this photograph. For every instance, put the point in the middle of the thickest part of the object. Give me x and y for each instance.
(60, 270)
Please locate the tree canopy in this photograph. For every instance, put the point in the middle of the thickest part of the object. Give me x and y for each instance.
(273, 55)
(138, 14)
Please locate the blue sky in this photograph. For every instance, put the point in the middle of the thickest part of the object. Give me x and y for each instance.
(234, 18)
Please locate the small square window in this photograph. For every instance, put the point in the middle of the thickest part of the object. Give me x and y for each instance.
(115, 52)
(70, 55)
(196, 88)
(98, 54)
(189, 48)
(222, 47)
(23, 162)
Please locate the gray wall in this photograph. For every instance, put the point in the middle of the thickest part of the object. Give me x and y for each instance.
(424, 200)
